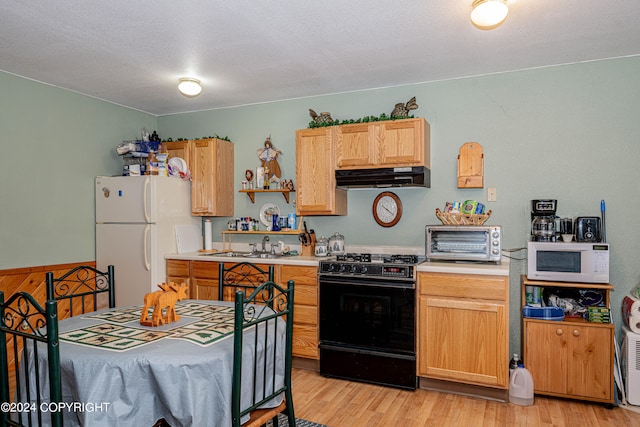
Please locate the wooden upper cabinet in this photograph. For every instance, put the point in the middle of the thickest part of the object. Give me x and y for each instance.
(354, 147)
(180, 149)
(390, 143)
(212, 177)
(315, 174)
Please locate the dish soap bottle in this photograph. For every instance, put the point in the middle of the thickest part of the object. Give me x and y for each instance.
(153, 163)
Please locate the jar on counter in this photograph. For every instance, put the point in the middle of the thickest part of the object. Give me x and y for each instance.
(322, 247)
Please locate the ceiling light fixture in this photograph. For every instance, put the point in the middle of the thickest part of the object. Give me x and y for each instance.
(189, 87)
(489, 14)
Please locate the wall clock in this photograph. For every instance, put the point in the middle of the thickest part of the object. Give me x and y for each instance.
(387, 209)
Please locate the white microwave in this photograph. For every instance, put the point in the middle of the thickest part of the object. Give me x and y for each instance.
(568, 262)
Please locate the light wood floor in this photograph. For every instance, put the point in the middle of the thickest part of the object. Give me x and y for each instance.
(339, 403)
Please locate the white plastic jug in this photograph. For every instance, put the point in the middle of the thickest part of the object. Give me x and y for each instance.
(521, 387)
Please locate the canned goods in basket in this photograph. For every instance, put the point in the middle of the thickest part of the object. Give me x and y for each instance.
(469, 207)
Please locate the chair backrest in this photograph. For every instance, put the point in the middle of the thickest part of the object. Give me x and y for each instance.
(25, 377)
(262, 346)
(80, 287)
(243, 276)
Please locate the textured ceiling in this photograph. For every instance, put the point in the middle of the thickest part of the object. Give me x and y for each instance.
(244, 52)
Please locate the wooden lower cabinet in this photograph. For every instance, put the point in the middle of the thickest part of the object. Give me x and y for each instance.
(463, 328)
(571, 358)
(179, 271)
(202, 278)
(305, 309)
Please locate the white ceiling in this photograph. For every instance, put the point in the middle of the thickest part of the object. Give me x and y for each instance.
(132, 52)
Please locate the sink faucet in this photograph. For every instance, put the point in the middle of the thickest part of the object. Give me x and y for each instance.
(265, 239)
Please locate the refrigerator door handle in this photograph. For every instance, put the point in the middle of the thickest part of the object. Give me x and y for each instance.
(147, 262)
(145, 191)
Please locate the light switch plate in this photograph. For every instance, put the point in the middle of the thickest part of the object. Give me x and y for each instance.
(492, 195)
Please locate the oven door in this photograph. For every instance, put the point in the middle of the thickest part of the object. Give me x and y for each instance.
(369, 314)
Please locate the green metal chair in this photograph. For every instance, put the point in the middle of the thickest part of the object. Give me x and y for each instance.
(24, 324)
(243, 276)
(80, 287)
(260, 320)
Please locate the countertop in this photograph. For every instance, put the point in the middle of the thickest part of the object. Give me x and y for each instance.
(493, 269)
(501, 269)
(221, 257)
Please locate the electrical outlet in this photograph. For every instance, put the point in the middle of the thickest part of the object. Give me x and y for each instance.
(492, 195)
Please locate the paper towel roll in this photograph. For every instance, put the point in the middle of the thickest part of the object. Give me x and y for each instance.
(631, 313)
(207, 235)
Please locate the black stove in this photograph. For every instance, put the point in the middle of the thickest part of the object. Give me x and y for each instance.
(367, 318)
(371, 265)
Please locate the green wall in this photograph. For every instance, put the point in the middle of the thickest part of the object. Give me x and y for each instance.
(54, 142)
(567, 132)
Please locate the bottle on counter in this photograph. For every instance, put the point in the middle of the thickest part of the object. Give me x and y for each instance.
(153, 163)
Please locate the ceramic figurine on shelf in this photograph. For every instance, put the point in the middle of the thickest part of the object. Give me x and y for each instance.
(323, 117)
(402, 110)
(268, 156)
(249, 175)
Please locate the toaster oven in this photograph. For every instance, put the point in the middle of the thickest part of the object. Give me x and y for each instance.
(463, 243)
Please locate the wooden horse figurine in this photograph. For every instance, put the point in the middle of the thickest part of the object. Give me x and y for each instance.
(165, 299)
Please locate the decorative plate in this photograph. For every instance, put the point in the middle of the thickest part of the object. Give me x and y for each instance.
(266, 211)
(177, 165)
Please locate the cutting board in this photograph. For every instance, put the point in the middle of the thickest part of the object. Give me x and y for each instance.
(471, 166)
(188, 238)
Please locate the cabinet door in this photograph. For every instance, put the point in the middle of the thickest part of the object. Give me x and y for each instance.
(180, 149)
(462, 340)
(569, 359)
(355, 145)
(315, 172)
(204, 280)
(590, 361)
(546, 356)
(178, 271)
(305, 311)
(401, 142)
(204, 289)
(212, 177)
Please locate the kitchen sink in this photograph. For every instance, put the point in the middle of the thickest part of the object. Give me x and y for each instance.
(243, 254)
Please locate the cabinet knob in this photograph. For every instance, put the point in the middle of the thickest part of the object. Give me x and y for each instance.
(576, 333)
(559, 331)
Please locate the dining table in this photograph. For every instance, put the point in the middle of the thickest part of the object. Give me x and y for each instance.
(117, 372)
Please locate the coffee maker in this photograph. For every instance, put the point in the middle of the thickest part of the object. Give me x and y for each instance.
(543, 220)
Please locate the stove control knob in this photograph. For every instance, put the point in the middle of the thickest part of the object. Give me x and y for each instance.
(342, 268)
(331, 267)
(353, 269)
(363, 269)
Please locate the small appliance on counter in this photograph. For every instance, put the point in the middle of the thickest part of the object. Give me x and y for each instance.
(543, 220)
(568, 262)
(481, 243)
(588, 229)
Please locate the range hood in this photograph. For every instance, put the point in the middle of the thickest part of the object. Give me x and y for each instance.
(411, 176)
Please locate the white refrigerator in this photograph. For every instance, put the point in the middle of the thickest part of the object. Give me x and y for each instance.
(136, 219)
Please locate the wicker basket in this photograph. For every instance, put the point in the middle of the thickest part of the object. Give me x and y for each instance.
(462, 219)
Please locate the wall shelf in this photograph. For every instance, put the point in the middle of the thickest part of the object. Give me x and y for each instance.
(252, 195)
(227, 235)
